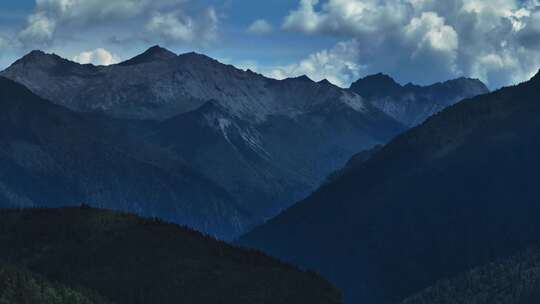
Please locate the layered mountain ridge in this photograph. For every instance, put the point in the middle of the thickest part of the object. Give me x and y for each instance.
(51, 156)
(456, 192)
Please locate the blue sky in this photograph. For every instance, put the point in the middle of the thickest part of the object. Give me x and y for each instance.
(419, 41)
(234, 44)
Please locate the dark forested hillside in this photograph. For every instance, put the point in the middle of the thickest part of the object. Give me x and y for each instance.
(451, 194)
(18, 286)
(134, 260)
(515, 280)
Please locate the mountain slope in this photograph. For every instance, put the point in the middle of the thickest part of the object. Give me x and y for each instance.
(412, 104)
(448, 195)
(134, 260)
(266, 143)
(515, 280)
(51, 156)
(269, 165)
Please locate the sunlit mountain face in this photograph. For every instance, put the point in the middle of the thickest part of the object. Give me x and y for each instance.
(360, 151)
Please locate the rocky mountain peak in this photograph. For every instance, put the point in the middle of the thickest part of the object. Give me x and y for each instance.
(325, 82)
(302, 78)
(34, 54)
(155, 53)
(372, 85)
(39, 58)
(195, 56)
(465, 82)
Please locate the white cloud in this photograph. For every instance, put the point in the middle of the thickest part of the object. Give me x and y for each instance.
(172, 26)
(97, 57)
(3, 43)
(431, 40)
(40, 30)
(48, 15)
(430, 31)
(177, 27)
(305, 18)
(347, 17)
(339, 65)
(260, 26)
(140, 18)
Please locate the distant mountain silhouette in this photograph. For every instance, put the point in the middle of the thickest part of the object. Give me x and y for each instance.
(455, 192)
(412, 104)
(129, 260)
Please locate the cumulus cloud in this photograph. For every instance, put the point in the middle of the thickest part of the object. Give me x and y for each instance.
(170, 19)
(339, 65)
(40, 30)
(431, 32)
(304, 18)
(260, 26)
(3, 43)
(97, 57)
(429, 40)
(346, 17)
(177, 27)
(172, 26)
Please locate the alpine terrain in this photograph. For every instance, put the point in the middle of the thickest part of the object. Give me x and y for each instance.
(456, 192)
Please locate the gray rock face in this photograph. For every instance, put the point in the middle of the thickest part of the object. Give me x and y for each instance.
(158, 85)
(413, 104)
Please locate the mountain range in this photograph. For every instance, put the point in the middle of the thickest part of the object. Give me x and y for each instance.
(405, 193)
(182, 137)
(456, 192)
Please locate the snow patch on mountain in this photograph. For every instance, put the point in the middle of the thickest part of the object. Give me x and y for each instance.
(354, 101)
(253, 139)
(223, 125)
